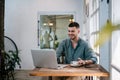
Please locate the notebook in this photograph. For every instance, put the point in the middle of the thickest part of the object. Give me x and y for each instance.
(46, 58)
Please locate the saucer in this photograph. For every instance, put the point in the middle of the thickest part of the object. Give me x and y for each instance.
(76, 65)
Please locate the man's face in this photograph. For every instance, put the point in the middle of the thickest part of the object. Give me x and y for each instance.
(73, 32)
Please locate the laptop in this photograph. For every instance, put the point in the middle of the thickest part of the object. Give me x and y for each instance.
(46, 58)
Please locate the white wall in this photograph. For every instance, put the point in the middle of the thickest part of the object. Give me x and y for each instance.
(21, 22)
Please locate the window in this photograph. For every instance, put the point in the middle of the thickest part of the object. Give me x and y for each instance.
(115, 64)
(115, 55)
(91, 23)
(94, 24)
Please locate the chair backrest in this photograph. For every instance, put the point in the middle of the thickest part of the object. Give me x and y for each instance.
(61, 60)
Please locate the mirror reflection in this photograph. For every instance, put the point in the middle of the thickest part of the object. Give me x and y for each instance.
(53, 29)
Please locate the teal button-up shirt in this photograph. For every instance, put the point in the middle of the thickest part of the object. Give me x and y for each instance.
(82, 50)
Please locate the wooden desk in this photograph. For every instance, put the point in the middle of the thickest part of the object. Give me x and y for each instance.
(91, 70)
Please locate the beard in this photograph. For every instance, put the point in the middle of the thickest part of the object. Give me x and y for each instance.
(72, 37)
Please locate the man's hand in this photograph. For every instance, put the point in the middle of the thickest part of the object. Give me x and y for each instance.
(81, 62)
(84, 62)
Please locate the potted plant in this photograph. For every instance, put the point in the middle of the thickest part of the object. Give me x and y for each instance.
(11, 59)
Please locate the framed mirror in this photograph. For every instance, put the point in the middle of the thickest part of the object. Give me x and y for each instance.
(52, 28)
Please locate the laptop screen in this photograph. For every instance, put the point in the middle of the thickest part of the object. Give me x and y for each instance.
(44, 58)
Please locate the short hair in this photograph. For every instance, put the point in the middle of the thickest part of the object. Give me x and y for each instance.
(74, 24)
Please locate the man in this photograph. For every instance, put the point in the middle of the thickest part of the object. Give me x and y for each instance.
(75, 49)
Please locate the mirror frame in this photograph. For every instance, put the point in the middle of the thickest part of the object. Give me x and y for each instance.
(49, 13)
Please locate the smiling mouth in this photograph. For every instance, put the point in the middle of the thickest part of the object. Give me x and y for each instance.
(71, 35)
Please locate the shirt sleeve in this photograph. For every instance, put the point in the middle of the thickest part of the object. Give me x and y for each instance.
(60, 49)
(90, 54)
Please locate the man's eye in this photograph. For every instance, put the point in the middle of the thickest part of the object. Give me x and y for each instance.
(71, 31)
(68, 31)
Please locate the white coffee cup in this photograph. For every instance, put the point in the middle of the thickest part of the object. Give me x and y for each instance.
(74, 63)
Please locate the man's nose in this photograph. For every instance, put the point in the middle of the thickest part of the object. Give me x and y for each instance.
(69, 32)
